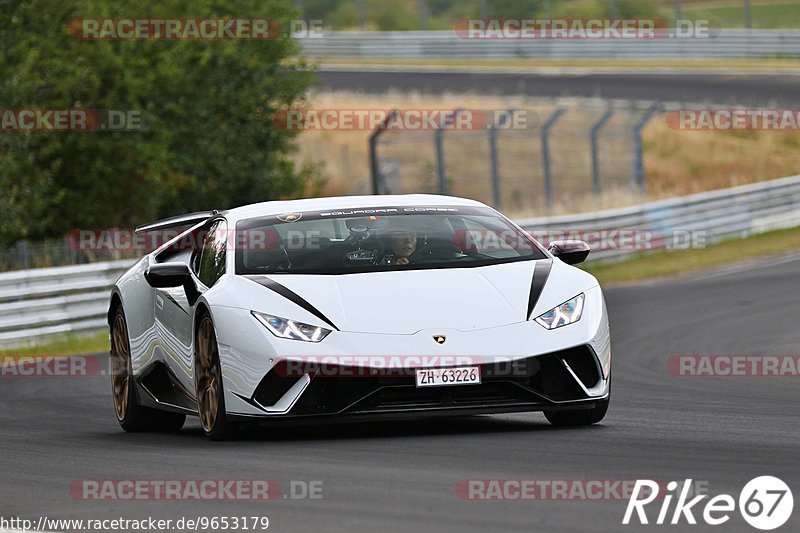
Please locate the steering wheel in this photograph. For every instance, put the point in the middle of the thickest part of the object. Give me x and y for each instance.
(434, 252)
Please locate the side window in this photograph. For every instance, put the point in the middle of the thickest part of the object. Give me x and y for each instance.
(495, 242)
(212, 258)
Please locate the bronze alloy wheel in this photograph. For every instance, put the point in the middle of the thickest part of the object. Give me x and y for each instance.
(207, 375)
(131, 415)
(120, 366)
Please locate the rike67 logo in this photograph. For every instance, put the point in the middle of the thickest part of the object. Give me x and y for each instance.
(765, 503)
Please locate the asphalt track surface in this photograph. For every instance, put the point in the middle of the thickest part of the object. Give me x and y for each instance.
(401, 476)
(700, 87)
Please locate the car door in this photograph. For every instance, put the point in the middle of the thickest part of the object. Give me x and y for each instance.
(174, 314)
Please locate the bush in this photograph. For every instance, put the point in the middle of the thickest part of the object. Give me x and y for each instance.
(202, 148)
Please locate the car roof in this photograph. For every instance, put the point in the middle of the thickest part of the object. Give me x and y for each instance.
(347, 202)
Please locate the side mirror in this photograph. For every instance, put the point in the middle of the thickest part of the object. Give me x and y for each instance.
(168, 275)
(571, 252)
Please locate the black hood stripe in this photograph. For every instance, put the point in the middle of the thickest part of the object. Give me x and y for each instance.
(292, 296)
(540, 274)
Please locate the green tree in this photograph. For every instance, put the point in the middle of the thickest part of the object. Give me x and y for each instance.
(208, 142)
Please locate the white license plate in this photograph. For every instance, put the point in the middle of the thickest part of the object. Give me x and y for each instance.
(437, 377)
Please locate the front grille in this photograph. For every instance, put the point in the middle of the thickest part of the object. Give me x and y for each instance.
(411, 397)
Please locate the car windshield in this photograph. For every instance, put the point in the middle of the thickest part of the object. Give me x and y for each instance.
(379, 239)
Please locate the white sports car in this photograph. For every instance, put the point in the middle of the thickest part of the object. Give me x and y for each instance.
(406, 306)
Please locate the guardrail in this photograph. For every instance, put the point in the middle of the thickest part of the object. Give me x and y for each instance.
(39, 302)
(45, 301)
(714, 216)
(729, 43)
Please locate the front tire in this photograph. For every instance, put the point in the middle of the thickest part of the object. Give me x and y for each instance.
(579, 417)
(208, 385)
(131, 415)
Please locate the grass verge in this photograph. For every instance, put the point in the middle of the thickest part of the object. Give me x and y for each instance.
(69, 344)
(770, 16)
(679, 262)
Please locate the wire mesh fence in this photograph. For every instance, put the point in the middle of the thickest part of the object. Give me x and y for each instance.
(558, 154)
(56, 252)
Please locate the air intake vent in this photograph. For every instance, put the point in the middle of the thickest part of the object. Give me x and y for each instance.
(273, 387)
(583, 362)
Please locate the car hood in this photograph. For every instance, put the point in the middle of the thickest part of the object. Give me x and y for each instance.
(405, 302)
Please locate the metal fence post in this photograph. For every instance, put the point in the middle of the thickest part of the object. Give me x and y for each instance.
(22, 254)
(548, 178)
(496, 196)
(362, 14)
(437, 139)
(593, 134)
(748, 21)
(636, 179)
(378, 185)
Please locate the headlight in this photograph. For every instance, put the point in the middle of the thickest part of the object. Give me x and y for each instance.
(291, 329)
(567, 313)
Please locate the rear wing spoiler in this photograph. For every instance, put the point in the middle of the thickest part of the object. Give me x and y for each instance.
(188, 219)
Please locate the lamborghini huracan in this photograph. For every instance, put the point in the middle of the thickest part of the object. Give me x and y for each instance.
(355, 307)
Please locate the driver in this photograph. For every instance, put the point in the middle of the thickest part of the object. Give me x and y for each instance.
(401, 244)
